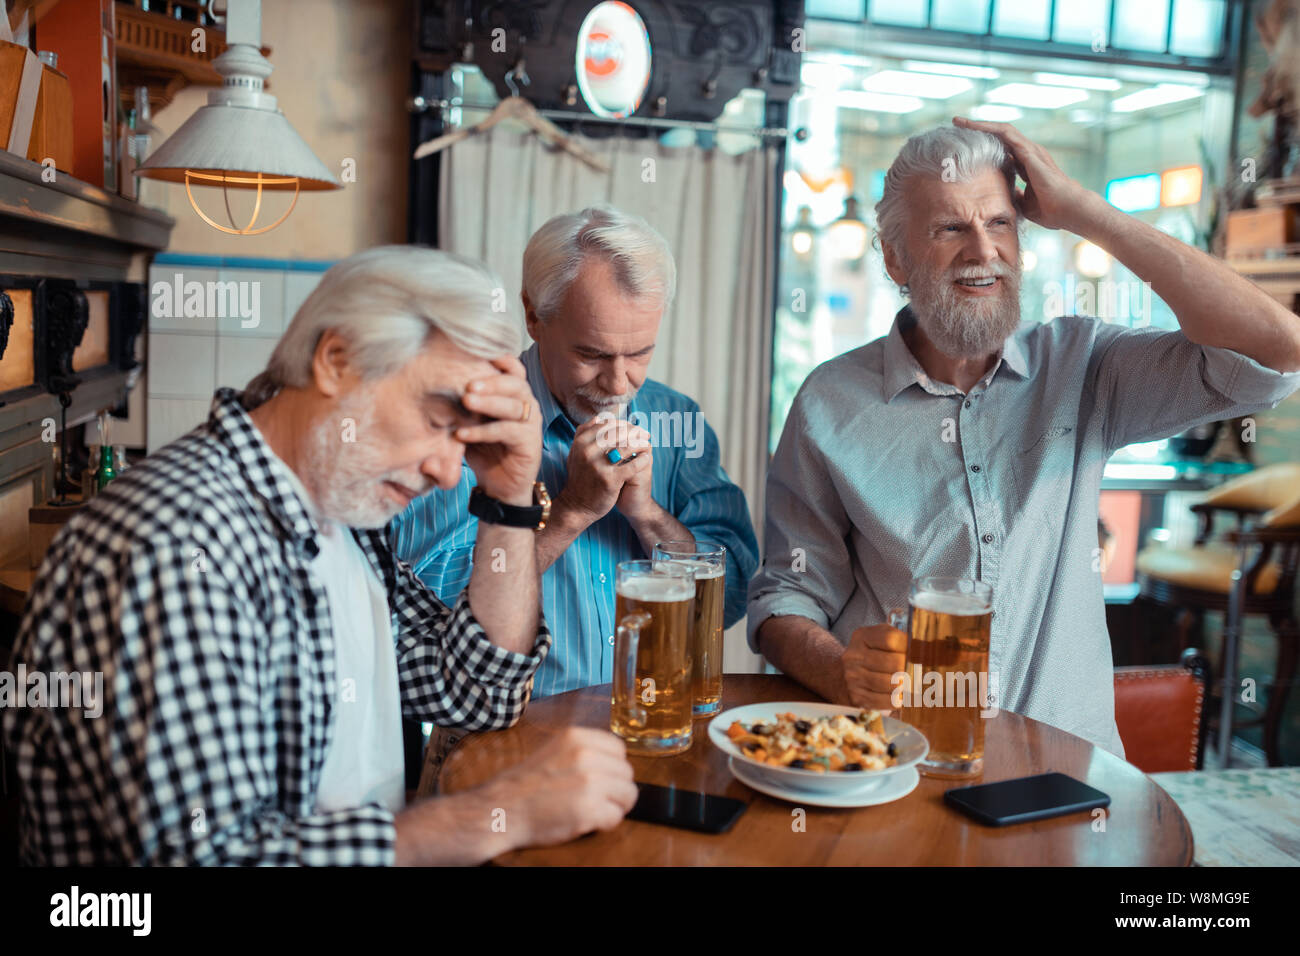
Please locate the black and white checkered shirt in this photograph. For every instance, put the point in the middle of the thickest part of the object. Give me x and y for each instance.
(187, 584)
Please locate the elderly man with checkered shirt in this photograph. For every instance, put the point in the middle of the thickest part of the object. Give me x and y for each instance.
(259, 642)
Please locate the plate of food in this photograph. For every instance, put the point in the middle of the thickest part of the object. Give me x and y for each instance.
(894, 787)
(817, 748)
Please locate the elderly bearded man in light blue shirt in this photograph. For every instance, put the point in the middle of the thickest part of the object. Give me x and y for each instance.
(966, 444)
(596, 285)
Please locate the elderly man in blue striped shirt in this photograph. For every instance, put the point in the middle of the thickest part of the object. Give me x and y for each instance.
(967, 444)
(630, 461)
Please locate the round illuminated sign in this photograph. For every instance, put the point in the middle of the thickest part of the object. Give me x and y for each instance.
(613, 60)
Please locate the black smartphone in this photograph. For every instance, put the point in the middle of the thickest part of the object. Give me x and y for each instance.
(687, 809)
(1025, 798)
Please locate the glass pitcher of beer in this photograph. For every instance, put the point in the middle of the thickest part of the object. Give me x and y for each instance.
(945, 685)
(650, 707)
(708, 563)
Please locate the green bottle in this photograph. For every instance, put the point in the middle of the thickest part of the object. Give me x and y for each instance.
(106, 471)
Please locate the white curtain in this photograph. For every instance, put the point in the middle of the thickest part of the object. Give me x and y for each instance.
(719, 215)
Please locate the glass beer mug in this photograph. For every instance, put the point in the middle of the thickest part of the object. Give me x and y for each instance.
(654, 607)
(945, 684)
(708, 563)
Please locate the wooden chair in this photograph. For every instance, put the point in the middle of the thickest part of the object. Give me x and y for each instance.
(1249, 570)
(1160, 713)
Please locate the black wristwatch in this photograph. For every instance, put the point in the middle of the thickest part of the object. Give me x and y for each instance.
(486, 508)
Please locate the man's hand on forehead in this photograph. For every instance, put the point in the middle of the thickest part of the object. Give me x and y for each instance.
(500, 396)
(506, 444)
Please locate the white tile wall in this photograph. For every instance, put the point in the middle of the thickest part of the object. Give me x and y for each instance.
(263, 288)
(173, 312)
(188, 358)
(182, 366)
(240, 357)
(170, 418)
(297, 286)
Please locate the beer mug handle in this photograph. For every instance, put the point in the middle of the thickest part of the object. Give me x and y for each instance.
(629, 636)
(898, 619)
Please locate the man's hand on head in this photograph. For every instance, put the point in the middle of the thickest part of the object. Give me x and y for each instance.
(505, 451)
(1050, 198)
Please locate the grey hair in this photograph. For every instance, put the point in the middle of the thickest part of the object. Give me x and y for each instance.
(387, 302)
(929, 154)
(643, 264)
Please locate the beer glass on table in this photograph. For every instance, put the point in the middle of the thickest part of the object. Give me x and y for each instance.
(945, 685)
(708, 563)
(650, 706)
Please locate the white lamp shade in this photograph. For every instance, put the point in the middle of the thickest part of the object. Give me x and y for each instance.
(240, 142)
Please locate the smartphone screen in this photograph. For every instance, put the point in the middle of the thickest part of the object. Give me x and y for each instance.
(1025, 799)
(687, 809)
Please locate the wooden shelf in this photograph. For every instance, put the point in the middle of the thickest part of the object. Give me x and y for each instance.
(153, 48)
(1279, 276)
(154, 51)
(70, 228)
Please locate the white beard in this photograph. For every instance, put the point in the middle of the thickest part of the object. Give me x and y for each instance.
(964, 326)
(599, 400)
(349, 483)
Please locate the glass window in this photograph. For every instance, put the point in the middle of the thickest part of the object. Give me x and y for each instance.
(1140, 25)
(1084, 22)
(1198, 28)
(967, 16)
(1025, 19)
(837, 9)
(899, 13)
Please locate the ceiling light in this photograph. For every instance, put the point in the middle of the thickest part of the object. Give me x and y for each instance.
(848, 234)
(843, 59)
(1035, 97)
(1134, 193)
(1181, 186)
(803, 233)
(1083, 116)
(952, 69)
(927, 85)
(1104, 83)
(240, 140)
(825, 75)
(1091, 260)
(1158, 95)
(995, 113)
(878, 102)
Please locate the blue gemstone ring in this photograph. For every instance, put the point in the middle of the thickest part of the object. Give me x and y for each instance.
(613, 456)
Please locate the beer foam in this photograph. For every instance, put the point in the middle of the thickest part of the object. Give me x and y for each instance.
(651, 588)
(701, 569)
(962, 605)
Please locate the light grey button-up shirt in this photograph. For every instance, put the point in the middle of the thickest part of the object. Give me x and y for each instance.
(883, 474)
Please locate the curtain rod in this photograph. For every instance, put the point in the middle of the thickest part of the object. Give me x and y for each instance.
(418, 104)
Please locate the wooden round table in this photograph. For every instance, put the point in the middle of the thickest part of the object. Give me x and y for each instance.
(1143, 826)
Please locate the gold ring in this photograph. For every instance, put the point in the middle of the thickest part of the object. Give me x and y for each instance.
(528, 412)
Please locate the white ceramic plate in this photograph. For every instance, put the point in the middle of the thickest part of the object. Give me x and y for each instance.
(911, 744)
(892, 788)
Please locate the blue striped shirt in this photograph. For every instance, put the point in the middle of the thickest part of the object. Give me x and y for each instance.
(435, 535)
